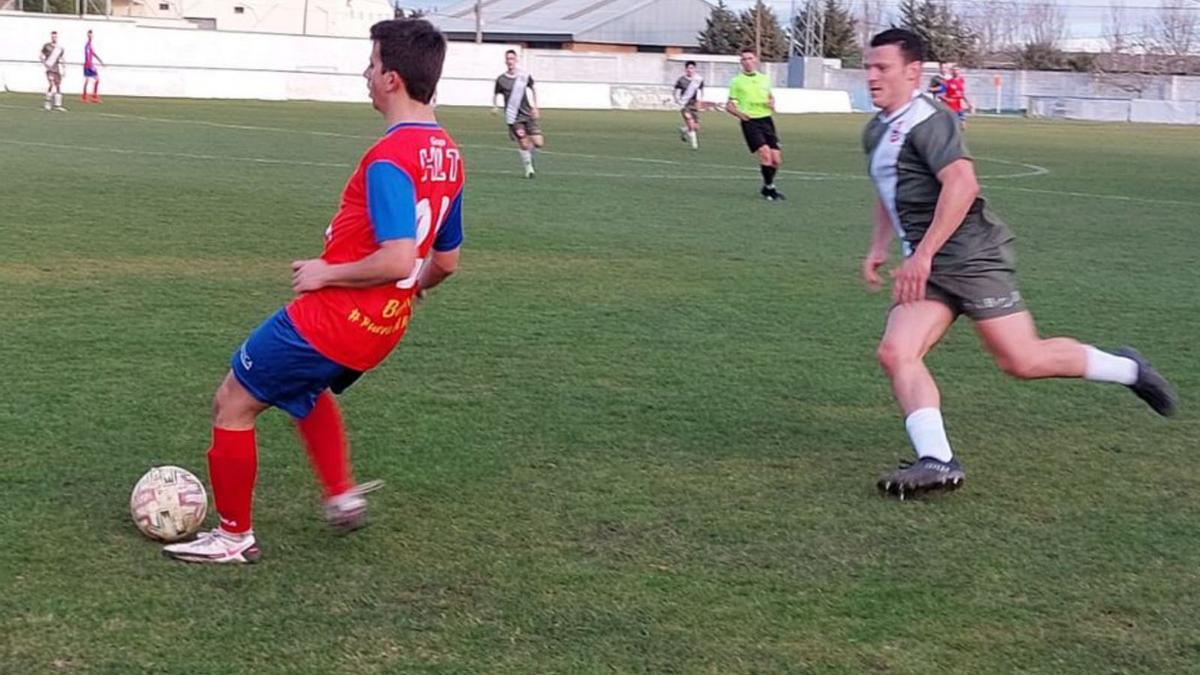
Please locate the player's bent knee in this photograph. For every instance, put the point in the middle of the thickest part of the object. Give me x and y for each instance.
(892, 358)
(1020, 367)
(233, 406)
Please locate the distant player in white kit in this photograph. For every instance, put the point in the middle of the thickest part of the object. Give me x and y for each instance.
(521, 114)
(52, 60)
(689, 89)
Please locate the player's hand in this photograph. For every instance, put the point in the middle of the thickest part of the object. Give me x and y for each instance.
(536, 113)
(309, 275)
(870, 269)
(908, 280)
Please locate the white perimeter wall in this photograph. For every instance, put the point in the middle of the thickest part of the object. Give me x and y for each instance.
(183, 62)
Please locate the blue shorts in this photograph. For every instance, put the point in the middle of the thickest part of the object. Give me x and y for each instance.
(89, 72)
(279, 367)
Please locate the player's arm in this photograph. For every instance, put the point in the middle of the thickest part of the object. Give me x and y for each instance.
(881, 239)
(443, 261)
(732, 109)
(939, 144)
(391, 206)
(392, 262)
(960, 188)
(533, 104)
(497, 97)
(771, 100)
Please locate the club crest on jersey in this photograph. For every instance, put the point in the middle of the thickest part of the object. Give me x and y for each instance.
(897, 132)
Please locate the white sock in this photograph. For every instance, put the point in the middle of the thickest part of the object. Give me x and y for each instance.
(526, 157)
(49, 100)
(928, 434)
(693, 139)
(1104, 367)
(58, 100)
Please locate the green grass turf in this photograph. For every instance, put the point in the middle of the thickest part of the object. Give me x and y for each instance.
(637, 434)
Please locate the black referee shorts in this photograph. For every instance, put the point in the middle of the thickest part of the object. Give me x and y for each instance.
(759, 132)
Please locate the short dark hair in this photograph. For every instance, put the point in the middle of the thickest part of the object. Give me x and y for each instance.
(414, 50)
(511, 51)
(689, 63)
(747, 50)
(912, 47)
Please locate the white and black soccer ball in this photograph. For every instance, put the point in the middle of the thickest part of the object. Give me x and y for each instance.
(168, 503)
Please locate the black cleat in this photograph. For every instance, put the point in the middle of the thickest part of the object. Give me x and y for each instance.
(924, 475)
(776, 195)
(1150, 386)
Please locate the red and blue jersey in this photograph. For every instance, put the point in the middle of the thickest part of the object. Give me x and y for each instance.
(407, 186)
(954, 93)
(89, 58)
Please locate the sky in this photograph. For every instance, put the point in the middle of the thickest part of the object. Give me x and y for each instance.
(1085, 18)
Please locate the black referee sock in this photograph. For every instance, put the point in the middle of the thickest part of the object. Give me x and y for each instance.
(768, 173)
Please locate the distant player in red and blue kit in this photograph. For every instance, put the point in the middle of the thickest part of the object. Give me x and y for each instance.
(90, 59)
(396, 234)
(954, 95)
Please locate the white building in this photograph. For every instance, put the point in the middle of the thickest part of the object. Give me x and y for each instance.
(304, 17)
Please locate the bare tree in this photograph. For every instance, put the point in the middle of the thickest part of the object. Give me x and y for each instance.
(995, 23)
(1116, 28)
(1173, 30)
(1045, 23)
(870, 20)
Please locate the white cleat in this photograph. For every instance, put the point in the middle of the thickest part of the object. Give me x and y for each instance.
(347, 512)
(529, 172)
(216, 546)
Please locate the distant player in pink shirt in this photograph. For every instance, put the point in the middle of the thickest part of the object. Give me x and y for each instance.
(396, 234)
(90, 59)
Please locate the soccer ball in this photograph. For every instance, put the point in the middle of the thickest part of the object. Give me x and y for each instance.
(168, 503)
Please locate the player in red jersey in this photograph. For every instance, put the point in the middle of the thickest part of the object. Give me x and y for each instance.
(90, 59)
(954, 95)
(396, 234)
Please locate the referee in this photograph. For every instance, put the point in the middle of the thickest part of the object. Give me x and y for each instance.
(751, 101)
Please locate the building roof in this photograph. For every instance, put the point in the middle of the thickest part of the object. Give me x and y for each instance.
(562, 20)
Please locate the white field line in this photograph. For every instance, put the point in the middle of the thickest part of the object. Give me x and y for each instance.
(1030, 170)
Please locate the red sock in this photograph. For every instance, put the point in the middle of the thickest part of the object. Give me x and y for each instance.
(325, 440)
(232, 469)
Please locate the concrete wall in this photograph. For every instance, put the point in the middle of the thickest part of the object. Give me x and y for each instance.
(1017, 86)
(153, 60)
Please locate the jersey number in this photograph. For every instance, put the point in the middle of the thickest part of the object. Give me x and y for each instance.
(424, 223)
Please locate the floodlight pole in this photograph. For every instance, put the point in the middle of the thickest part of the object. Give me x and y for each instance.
(478, 22)
(758, 29)
(304, 26)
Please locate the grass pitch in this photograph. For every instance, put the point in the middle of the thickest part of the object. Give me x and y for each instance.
(637, 434)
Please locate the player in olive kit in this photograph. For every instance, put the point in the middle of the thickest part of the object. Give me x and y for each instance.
(396, 233)
(689, 91)
(958, 259)
(751, 101)
(521, 114)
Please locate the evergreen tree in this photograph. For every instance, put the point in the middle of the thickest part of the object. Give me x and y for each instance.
(760, 21)
(839, 32)
(947, 37)
(722, 34)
